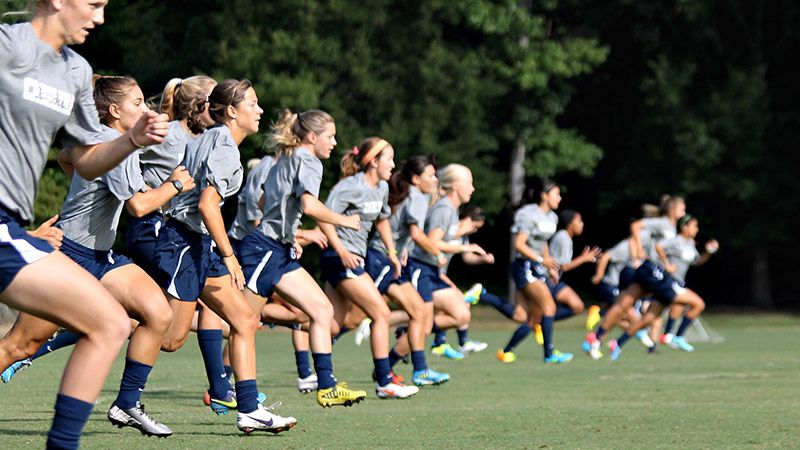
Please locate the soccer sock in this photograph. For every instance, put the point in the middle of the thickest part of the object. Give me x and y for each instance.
(418, 360)
(303, 364)
(134, 377)
(519, 334)
(63, 339)
(247, 396)
(400, 331)
(684, 326)
(623, 338)
(439, 336)
(563, 312)
(505, 308)
(342, 332)
(70, 417)
(547, 332)
(229, 373)
(383, 373)
(210, 342)
(394, 358)
(600, 332)
(670, 324)
(462, 337)
(323, 365)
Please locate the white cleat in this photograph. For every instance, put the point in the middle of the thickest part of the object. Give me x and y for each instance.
(363, 331)
(307, 384)
(594, 350)
(137, 418)
(395, 390)
(263, 420)
(644, 338)
(473, 347)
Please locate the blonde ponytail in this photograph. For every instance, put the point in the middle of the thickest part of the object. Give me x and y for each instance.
(291, 128)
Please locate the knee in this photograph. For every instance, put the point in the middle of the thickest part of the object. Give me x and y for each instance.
(246, 323)
(464, 316)
(321, 312)
(578, 307)
(699, 305)
(158, 315)
(115, 329)
(382, 314)
(173, 344)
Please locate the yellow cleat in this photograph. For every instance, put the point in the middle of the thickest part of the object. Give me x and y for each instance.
(506, 357)
(593, 317)
(537, 330)
(339, 395)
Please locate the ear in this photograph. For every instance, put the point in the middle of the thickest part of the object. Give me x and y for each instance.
(415, 179)
(230, 111)
(113, 109)
(312, 137)
(57, 4)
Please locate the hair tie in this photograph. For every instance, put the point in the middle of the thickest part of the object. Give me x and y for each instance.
(355, 150)
(180, 82)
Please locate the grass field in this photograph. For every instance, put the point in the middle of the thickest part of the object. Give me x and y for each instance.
(743, 393)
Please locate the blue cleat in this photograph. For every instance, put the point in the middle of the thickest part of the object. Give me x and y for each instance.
(558, 357)
(678, 342)
(473, 294)
(447, 351)
(615, 350)
(429, 377)
(14, 368)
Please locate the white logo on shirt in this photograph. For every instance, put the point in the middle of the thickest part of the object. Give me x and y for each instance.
(47, 96)
(372, 207)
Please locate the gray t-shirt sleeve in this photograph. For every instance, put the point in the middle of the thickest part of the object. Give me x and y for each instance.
(220, 168)
(339, 198)
(83, 126)
(125, 180)
(440, 218)
(416, 211)
(561, 247)
(6, 47)
(255, 189)
(309, 175)
(386, 210)
(523, 221)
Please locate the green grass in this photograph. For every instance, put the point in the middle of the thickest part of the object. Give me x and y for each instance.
(743, 393)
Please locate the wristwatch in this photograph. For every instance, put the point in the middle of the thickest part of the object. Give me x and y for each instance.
(178, 185)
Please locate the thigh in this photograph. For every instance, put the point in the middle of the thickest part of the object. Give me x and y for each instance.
(136, 292)
(362, 292)
(227, 301)
(538, 293)
(301, 290)
(341, 304)
(449, 300)
(28, 328)
(569, 297)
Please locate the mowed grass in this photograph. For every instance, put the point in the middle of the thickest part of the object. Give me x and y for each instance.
(743, 393)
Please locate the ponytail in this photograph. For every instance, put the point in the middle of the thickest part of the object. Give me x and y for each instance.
(291, 128)
(357, 159)
(400, 182)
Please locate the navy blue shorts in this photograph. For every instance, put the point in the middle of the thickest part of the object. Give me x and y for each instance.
(142, 238)
(333, 271)
(525, 272)
(608, 293)
(555, 288)
(626, 278)
(185, 261)
(236, 244)
(264, 261)
(655, 280)
(17, 248)
(380, 269)
(425, 279)
(96, 262)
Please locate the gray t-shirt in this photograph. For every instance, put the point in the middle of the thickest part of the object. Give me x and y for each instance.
(292, 176)
(247, 210)
(213, 160)
(90, 213)
(352, 196)
(444, 216)
(540, 226)
(158, 161)
(619, 258)
(655, 230)
(683, 253)
(411, 211)
(40, 93)
(561, 247)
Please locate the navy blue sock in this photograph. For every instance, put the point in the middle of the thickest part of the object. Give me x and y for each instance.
(342, 332)
(462, 336)
(71, 415)
(670, 324)
(247, 395)
(64, 339)
(400, 331)
(600, 332)
(134, 377)
(229, 373)
(418, 360)
(563, 312)
(303, 363)
(394, 358)
(383, 373)
(520, 333)
(547, 332)
(505, 308)
(623, 338)
(684, 325)
(439, 336)
(210, 342)
(323, 364)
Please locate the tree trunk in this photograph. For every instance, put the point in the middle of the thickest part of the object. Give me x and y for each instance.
(516, 188)
(762, 288)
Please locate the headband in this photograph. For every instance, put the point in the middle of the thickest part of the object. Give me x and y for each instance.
(374, 151)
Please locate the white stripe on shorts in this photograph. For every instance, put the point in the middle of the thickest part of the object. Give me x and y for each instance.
(28, 252)
(172, 290)
(252, 284)
(383, 273)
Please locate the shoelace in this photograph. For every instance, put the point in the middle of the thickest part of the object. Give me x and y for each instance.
(141, 410)
(272, 406)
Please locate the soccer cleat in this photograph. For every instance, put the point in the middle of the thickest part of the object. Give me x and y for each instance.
(396, 377)
(666, 338)
(363, 331)
(221, 406)
(263, 420)
(339, 395)
(614, 349)
(394, 390)
(471, 346)
(593, 317)
(644, 338)
(207, 398)
(506, 357)
(558, 357)
(447, 351)
(592, 346)
(538, 335)
(680, 343)
(429, 377)
(137, 418)
(307, 384)
(473, 294)
(14, 368)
